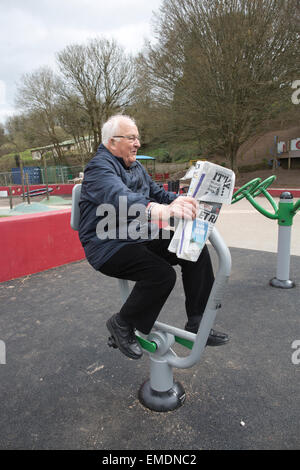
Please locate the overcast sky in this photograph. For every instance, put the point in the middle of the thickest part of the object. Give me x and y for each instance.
(33, 31)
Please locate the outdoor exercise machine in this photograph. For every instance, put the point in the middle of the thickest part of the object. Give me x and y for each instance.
(284, 212)
(37, 192)
(160, 392)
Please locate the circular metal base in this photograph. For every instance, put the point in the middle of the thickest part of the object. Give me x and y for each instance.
(287, 284)
(162, 401)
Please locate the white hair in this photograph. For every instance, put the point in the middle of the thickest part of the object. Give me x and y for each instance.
(112, 125)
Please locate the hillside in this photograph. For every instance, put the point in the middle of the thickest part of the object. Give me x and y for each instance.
(285, 179)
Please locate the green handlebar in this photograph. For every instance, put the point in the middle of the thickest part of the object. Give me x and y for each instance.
(296, 206)
(261, 209)
(284, 212)
(245, 190)
(261, 188)
(254, 188)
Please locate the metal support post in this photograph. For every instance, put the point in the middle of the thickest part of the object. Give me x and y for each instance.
(285, 221)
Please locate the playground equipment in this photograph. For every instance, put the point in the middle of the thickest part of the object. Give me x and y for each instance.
(37, 192)
(284, 213)
(160, 392)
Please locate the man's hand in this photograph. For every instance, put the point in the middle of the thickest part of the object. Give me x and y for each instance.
(184, 207)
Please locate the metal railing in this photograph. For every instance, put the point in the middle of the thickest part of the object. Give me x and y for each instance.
(55, 175)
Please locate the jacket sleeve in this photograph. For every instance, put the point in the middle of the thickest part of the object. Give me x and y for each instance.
(159, 194)
(103, 185)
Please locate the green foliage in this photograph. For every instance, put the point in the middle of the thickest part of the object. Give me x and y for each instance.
(160, 154)
(173, 151)
(26, 156)
(7, 162)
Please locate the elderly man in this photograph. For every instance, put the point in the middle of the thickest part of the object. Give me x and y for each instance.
(114, 186)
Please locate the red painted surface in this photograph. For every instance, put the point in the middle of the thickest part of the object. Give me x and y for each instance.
(275, 192)
(66, 189)
(58, 189)
(35, 242)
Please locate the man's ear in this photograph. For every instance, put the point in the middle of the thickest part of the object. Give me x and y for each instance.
(111, 144)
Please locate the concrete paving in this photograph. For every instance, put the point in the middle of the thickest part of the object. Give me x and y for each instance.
(242, 226)
(63, 388)
(38, 204)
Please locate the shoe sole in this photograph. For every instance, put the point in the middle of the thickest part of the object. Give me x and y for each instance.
(208, 343)
(115, 338)
(222, 343)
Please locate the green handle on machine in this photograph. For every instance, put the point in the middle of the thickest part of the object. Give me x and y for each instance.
(245, 190)
(148, 345)
(262, 187)
(284, 212)
(296, 206)
(151, 347)
(184, 342)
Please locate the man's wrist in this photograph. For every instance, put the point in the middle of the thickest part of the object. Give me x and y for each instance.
(149, 209)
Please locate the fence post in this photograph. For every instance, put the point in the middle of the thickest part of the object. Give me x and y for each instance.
(27, 184)
(46, 177)
(10, 197)
(22, 180)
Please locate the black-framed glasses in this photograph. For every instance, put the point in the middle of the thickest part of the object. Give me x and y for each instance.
(132, 138)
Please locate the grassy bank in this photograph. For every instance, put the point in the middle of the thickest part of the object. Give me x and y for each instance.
(176, 152)
(8, 161)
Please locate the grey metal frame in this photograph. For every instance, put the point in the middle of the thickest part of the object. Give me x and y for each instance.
(164, 358)
(163, 335)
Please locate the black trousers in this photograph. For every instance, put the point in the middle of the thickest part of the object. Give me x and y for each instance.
(150, 264)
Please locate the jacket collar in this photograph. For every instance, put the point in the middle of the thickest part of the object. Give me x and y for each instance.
(120, 159)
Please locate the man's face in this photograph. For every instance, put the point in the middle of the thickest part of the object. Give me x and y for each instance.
(124, 147)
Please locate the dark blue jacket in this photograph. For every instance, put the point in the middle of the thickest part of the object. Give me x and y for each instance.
(106, 178)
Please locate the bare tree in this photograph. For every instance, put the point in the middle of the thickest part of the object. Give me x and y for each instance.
(150, 114)
(223, 66)
(101, 75)
(2, 134)
(37, 95)
(14, 127)
(74, 120)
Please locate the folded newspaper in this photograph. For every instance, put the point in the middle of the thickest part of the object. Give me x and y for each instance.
(212, 185)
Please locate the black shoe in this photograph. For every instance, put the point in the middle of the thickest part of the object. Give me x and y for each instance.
(124, 338)
(215, 338)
